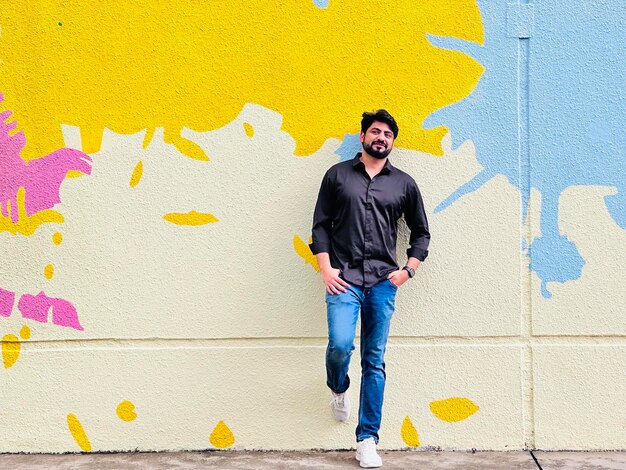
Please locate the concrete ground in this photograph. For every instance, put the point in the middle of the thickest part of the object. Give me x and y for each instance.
(231, 460)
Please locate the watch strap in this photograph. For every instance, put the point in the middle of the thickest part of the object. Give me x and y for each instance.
(409, 270)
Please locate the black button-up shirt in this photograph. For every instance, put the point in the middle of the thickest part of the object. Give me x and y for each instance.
(356, 220)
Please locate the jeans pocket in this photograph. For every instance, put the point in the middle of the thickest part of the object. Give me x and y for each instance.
(392, 284)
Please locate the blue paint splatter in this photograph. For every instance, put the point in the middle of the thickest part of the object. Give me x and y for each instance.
(349, 147)
(576, 122)
(489, 115)
(321, 3)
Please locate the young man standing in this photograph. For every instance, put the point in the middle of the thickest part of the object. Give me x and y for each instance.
(354, 240)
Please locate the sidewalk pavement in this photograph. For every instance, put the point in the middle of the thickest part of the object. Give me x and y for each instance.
(246, 460)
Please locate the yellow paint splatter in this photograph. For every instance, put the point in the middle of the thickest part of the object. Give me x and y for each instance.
(303, 250)
(78, 432)
(48, 271)
(184, 146)
(409, 433)
(74, 174)
(136, 176)
(249, 129)
(27, 225)
(57, 238)
(453, 409)
(126, 411)
(222, 437)
(148, 138)
(319, 96)
(190, 218)
(11, 348)
(25, 332)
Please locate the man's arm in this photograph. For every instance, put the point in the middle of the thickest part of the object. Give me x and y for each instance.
(413, 262)
(320, 247)
(416, 221)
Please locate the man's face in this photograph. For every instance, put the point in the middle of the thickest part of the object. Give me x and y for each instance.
(377, 140)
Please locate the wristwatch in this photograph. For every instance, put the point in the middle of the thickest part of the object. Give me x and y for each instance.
(409, 270)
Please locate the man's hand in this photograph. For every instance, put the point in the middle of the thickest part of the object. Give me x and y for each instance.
(398, 277)
(334, 284)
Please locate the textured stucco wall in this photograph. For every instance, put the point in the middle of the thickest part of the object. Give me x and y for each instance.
(156, 291)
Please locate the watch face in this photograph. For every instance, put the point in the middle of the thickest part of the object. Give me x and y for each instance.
(410, 270)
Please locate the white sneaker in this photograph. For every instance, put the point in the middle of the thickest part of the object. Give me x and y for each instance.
(340, 405)
(366, 454)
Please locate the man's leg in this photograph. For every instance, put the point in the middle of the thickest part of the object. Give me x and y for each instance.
(376, 313)
(342, 313)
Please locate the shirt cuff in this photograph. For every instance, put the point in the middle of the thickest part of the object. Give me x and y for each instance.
(417, 253)
(319, 247)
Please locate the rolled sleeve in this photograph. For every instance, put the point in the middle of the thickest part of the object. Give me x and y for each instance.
(416, 221)
(319, 248)
(322, 218)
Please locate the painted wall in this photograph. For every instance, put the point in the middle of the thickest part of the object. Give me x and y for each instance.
(159, 164)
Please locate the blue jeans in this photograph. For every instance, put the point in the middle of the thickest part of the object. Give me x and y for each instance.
(376, 304)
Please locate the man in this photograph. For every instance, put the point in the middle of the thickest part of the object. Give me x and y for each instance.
(354, 240)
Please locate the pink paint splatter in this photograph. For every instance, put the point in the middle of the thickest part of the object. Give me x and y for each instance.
(7, 299)
(41, 178)
(37, 307)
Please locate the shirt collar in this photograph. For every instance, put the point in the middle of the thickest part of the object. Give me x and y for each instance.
(388, 168)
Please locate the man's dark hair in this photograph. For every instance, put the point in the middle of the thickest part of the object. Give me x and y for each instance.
(380, 115)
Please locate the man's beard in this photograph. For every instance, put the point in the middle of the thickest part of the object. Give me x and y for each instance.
(376, 153)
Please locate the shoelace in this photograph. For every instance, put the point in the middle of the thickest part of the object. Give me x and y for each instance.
(339, 400)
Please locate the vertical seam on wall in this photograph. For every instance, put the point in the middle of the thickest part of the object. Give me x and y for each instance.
(526, 307)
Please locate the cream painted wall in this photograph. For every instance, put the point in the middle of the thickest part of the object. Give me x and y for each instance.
(225, 322)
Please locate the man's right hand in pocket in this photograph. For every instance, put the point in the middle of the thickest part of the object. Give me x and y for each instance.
(334, 284)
